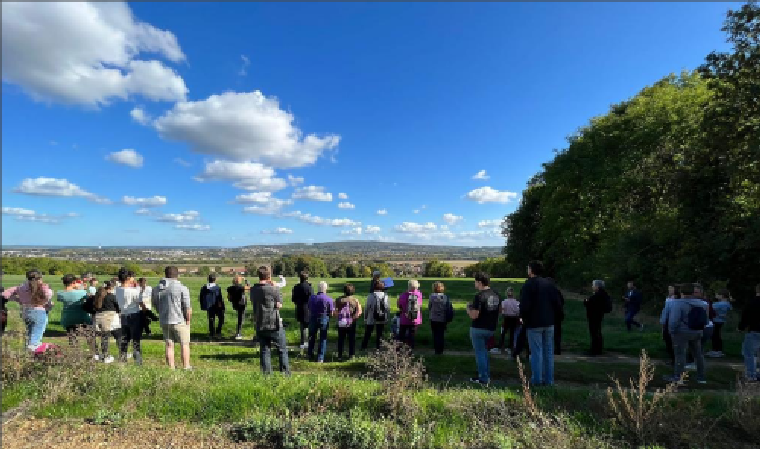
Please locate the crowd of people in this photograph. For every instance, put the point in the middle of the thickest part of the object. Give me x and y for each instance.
(123, 308)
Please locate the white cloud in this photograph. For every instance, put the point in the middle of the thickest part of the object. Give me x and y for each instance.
(182, 162)
(143, 211)
(480, 235)
(316, 220)
(342, 196)
(244, 68)
(295, 181)
(372, 229)
(56, 187)
(186, 216)
(481, 175)
(277, 231)
(243, 127)
(352, 231)
(382, 212)
(312, 193)
(127, 157)
(85, 53)
(346, 205)
(139, 115)
(17, 211)
(490, 223)
(489, 195)
(265, 203)
(416, 211)
(452, 219)
(408, 227)
(156, 201)
(29, 215)
(193, 227)
(247, 175)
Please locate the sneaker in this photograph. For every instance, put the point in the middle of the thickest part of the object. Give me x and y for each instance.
(673, 380)
(495, 351)
(304, 346)
(238, 337)
(96, 357)
(718, 354)
(129, 355)
(109, 359)
(691, 366)
(702, 382)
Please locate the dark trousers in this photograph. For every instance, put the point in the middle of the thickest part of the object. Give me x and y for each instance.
(379, 328)
(318, 325)
(406, 334)
(131, 330)
(595, 330)
(350, 333)
(509, 326)
(557, 336)
(214, 314)
(116, 334)
(304, 332)
(521, 341)
(630, 314)
(267, 339)
(241, 315)
(668, 344)
(438, 329)
(147, 316)
(717, 337)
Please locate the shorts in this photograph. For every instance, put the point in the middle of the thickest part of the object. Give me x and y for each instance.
(177, 333)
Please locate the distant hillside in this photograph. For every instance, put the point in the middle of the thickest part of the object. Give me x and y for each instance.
(379, 249)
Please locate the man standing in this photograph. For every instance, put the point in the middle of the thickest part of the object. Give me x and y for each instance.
(632, 306)
(539, 307)
(484, 312)
(267, 302)
(130, 305)
(558, 319)
(301, 294)
(596, 306)
(212, 302)
(750, 322)
(172, 299)
(687, 318)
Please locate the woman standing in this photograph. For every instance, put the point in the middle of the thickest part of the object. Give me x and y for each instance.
(73, 315)
(34, 296)
(106, 319)
(410, 304)
(236, 295)
(348, 310)
(596, 306)
(321, 308)
(441, 313)
(510, 311)
(376, 313)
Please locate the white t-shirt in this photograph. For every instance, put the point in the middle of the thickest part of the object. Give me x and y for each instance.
(128, 299)
(146, 296)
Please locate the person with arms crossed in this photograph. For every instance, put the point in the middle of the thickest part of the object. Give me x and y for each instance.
(484, 313)
(172, 300)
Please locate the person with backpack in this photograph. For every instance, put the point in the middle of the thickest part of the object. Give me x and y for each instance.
(410, 304)
(750, 323)
(687, 318)
(597, 305)
(267, 302)
(106, 320)
(236, 295)
(441, 314)
(300, 297)
(348, 310)
(510, 312)
(484, 313)
(321, 307)
(35, 298)
(172, 301)
(73, 315)
(376, 314)
(212, 301)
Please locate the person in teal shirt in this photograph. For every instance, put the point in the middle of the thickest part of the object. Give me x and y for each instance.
(73, 315)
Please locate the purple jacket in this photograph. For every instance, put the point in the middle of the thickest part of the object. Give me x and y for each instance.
(321, 304)
(402, 302)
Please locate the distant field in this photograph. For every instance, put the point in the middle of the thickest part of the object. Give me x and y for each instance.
(453, 263)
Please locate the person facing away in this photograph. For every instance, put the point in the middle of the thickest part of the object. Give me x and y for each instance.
(146, 305)
(236, 295)
(674, 292)
(106, 318)
(484, 313)
(376, 313)
(441, 313)
(300, 297)
(267, 302)
(212, 301)
(633, 299)
(73, 315)
(348, 310)
(321, 307)
(687, 317)
(598, 304)
(539, 306)
(410, 305)
(35, 299)
(750, 323)
(510, 312)
(558, 318)
(172, 300)
(130, 304)
(721, 306)
(93, 288)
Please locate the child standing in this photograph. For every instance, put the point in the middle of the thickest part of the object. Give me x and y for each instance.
(396, 325)
(510, 312)
(721, 306)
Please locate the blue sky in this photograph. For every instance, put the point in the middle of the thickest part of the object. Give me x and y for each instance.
(201, 110)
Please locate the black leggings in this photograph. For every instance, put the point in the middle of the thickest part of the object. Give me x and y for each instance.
(241, 315)
(131, 330)
(116, 334)
(379, 328)
(350, 333)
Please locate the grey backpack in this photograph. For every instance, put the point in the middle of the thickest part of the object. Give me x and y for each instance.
(438, 303)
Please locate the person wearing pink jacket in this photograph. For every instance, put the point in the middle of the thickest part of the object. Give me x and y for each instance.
(410, 305)
(35, 298)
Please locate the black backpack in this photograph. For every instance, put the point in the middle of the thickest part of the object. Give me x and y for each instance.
(697, 318)
(380, 313)
(89, 304)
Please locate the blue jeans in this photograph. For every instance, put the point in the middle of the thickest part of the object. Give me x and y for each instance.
(479, 338)
(541, 342)
(321, 323)
(749, 350)
(630, 314)
(36, 322)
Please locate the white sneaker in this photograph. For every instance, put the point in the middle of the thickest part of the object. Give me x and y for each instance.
(96, 357)
(238, 337)
(691, 366)
(495, 351)
(304, 346)
(129, 355)
(109, 359)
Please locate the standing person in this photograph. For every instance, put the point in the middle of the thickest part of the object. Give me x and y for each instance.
(410, 304)
(687, 318)
(300, 297)
(321, 307)
(441, 313)
(73, 316)
(707, 333)
(172, 301)
(267, 302)
(510, 312)
(128, 297)
(146, 305)
(106, 320)
(484, 313)
(375, 278)
(632, 306)
(348, 311)
(558, 319)
(674, 292)
(539, 305)
(35, 298)
(376, 313)
(721, 306)
(212, 301)
(750, 322)
(236, 295)
(93, 288)
(597, 305)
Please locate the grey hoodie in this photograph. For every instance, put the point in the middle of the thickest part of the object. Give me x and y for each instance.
(172, 301)
(678, 316)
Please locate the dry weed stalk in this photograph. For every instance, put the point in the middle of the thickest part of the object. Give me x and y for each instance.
(745, 409)
(400, 372)
(528, 399)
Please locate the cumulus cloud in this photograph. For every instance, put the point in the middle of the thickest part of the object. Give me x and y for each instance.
(481, 175)
(277, 231)
(140, 116)
(346, 205)
(316, 220)
(86, 53)
(193, 227)
(352, 231)
(342, 196)
(18, 211)
(130, 158)
(186, 216)
(489, 223)
(408, 227)
(182, 162)
(312, 193)
(452, 219)
(372, 229)
(295, 181)
(244, 126)
(246, 175)
(156, 201)
(382, 212)
(489, 195)
(265, 203)
(478, 235)
(56, 187)
(29, 215)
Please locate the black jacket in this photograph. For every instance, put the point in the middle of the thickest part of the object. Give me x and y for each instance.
(596, 304)
(750, 321)
(301, 294)
(539, 303)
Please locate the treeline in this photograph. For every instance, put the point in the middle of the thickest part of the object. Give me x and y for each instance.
(50, 266)
(336, 268)
(497, 267)
(664, 188)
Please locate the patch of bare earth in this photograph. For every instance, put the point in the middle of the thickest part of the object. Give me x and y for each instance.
(25, 433)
